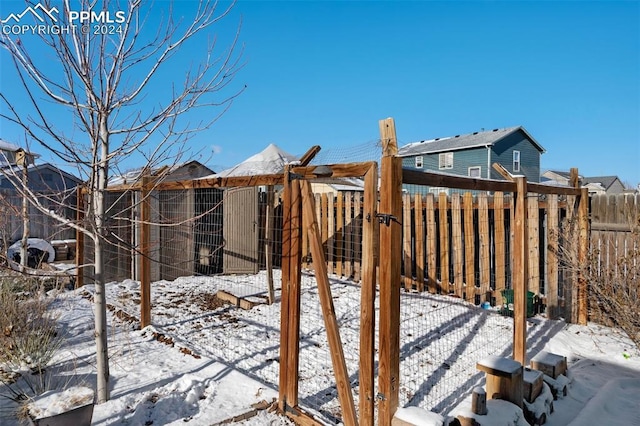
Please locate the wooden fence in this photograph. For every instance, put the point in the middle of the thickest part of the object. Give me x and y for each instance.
(458, 244)
(614, 219)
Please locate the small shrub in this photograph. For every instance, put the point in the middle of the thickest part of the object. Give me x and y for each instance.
(28, 330)
(28, 341)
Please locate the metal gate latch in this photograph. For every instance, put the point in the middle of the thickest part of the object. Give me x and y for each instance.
(387, 218)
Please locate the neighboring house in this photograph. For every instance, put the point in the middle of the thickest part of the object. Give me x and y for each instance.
(185, 171)
(56, 187)
(595, 184)
(556, 177)
(473, 154)
(603, 185)
(40, 178)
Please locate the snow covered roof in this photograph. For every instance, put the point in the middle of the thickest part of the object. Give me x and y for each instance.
(270, 160)
(188, 170)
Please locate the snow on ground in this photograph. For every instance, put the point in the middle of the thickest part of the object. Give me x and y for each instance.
(204, 361)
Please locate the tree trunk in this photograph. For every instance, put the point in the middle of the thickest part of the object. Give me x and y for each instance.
(100, 302)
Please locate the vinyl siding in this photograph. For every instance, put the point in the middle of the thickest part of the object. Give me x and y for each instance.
(462, 160)
(502, 153)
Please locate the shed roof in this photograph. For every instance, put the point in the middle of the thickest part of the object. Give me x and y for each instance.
(459, 142)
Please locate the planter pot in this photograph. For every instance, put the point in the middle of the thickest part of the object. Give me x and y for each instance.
(80, 416)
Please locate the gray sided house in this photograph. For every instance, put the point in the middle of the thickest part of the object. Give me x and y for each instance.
(473, 154)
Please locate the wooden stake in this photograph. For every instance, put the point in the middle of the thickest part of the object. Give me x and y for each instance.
(500, 244)
(419, 244)
(145, 260)
(406, 236)
(432, 244)
(520, 271)
(456, 227)
(391, 246)
(469, 248)
(328, 312)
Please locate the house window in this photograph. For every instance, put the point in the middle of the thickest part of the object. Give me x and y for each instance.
(446, 160)
(419, 162)
(516, 161)
(475, 172)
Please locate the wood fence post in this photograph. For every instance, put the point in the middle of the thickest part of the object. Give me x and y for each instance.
(583, 247)
(145, 261)
(268, 243)
(391, 246)
(283, 401)
(79, 237)
(368, 298)
(295, 276)
(520, 271)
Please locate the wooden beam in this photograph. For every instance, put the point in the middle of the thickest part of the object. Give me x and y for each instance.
(343, 384)
(415, 177)
(520, 271)
(328, 171)
(503, 172)
(309, 155)
(540, 188)
(368, 297)
(391, 246)
(219, 182)
(144, 257)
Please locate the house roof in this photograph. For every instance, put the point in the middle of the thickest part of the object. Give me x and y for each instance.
(459, 142)
(566, 175)
(270, 160)
(16, 170)
(605, 181)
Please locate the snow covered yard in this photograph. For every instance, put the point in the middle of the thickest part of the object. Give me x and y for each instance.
(204, 361)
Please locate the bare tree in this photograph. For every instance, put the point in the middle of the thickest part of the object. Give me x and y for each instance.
(127, 90)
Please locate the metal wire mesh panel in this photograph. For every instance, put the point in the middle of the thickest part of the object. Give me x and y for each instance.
(317, 384)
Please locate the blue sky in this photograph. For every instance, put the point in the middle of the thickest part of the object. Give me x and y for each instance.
(325, 72)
